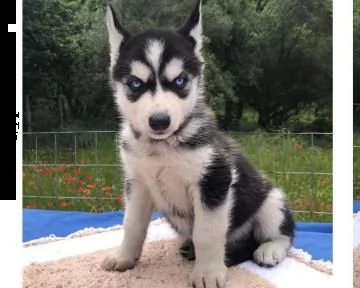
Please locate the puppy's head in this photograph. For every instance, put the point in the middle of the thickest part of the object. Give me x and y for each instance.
(156, 74)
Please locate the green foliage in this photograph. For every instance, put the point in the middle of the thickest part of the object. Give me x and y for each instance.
(271, 55)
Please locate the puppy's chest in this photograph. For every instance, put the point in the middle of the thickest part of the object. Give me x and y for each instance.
(172, 179)
(171, 192)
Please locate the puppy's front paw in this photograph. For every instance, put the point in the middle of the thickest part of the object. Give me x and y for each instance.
(117, 262)
(208, 277)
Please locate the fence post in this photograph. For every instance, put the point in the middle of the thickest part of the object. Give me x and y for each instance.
(313, 182)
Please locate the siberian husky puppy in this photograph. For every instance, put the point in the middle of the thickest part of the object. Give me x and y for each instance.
(178, 162)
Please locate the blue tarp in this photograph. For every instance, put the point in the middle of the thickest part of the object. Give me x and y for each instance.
(314, 238)
(41, 223)
(356, 206)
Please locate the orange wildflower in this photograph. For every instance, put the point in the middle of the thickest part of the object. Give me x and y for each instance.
(107, 188)
(71, 180)
(64, 205)
(92, 186)
(89, 178)
(324, 181)
(298, 146)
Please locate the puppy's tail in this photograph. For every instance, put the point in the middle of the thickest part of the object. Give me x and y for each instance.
(240, 251)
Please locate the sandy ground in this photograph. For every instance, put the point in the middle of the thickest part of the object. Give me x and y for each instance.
(160, 266)
(357, 267)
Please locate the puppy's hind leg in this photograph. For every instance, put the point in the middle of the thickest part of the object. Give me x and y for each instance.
(274, 229)
(138, 211)
(187, 250)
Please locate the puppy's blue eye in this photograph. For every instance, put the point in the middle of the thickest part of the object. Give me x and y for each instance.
(181, 81)
(135, 85)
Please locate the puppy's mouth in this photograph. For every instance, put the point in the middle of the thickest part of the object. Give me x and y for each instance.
(160, 135)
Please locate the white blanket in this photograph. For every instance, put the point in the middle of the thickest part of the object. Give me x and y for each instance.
(357, 230)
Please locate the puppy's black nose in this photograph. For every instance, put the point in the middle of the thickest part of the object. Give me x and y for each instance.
(159, 121)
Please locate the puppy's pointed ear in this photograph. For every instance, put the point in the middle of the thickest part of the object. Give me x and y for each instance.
(193, 28)
(117, 34)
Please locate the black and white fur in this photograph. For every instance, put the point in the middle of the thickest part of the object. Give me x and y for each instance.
(178, 162)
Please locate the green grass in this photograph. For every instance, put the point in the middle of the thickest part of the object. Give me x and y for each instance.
(93, 179)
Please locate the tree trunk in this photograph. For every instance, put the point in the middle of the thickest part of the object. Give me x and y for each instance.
(60, 107)
(264, 120)
(27, 113)
(228, 114)
(239, 111)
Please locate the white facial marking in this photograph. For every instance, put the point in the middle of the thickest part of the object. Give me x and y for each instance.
(153, 53)
(141, 71)
(173, 69)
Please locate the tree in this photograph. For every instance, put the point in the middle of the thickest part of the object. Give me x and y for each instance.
(46, 59)
(282, 63)
(271, 55)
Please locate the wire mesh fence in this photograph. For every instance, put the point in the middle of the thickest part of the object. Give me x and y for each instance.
(82, 170)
